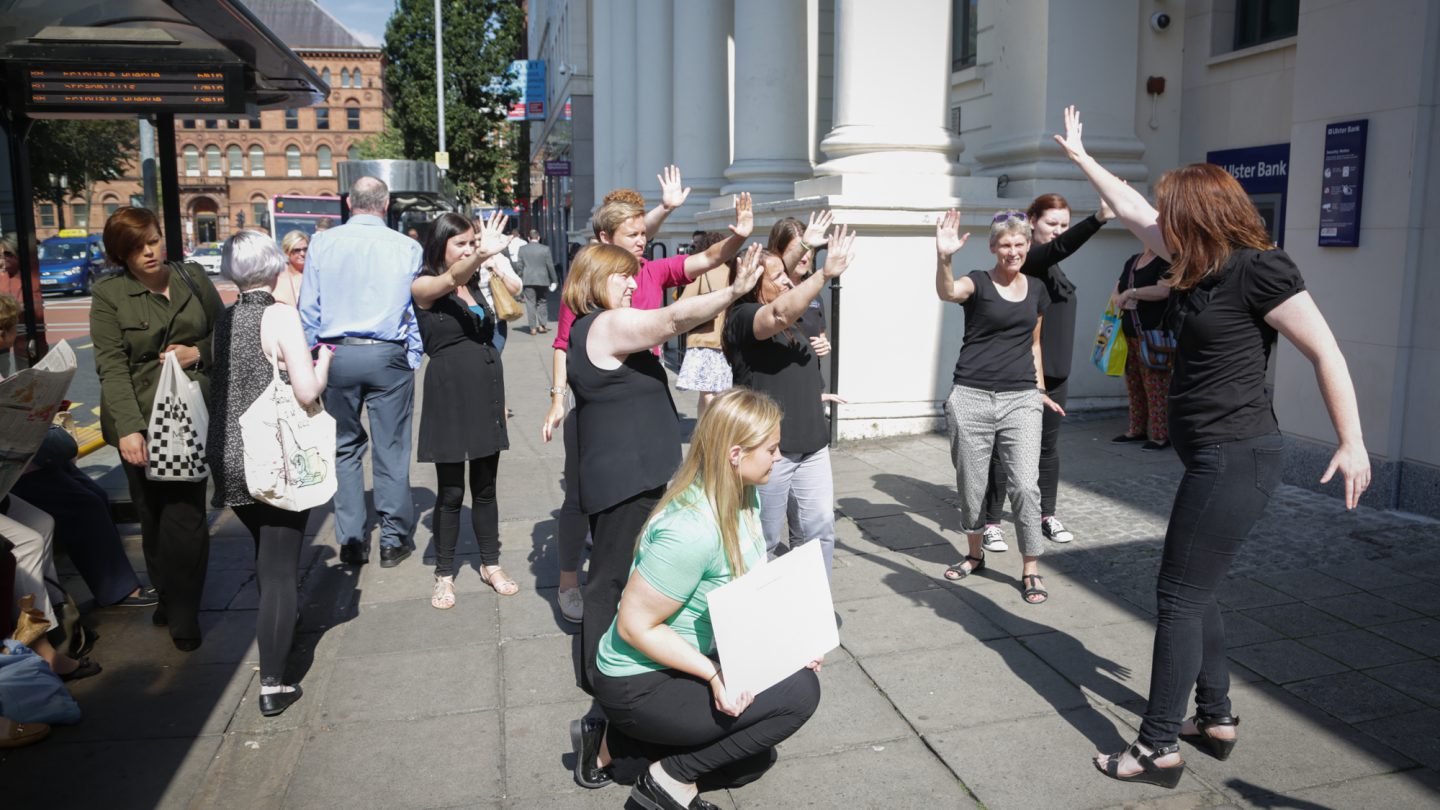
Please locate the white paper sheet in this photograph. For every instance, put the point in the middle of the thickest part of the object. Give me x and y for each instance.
(773, 621)
(28, 402)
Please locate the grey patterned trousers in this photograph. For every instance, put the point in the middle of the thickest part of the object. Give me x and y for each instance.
(1009, 422)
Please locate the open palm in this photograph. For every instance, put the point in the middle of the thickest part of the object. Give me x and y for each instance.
(948, 239)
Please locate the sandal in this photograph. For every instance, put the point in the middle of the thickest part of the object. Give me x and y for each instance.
(1151, 774)
(443, 597)
(1035, 581)
(958, 571)
(499, 580)
(1214, 746)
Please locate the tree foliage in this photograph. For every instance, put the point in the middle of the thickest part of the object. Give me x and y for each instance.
(83, 153)
(387, 144)
(481, 38)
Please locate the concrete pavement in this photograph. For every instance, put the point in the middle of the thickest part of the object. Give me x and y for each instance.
(942, 695)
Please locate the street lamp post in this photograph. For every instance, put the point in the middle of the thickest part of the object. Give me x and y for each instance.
(440, 77)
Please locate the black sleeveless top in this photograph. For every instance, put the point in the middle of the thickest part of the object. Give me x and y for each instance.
(462, 415)
(240, 376)
(627, 427)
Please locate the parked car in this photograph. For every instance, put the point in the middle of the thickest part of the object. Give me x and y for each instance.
(70, 262)
(208, 257)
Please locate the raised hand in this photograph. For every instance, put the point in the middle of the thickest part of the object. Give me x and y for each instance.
(815, 233)
(1106, 213)
(673, 192)
(492, 239)
(1071, 143)
(748, 271)
(744, 216)
(841, 252)
(948, 239)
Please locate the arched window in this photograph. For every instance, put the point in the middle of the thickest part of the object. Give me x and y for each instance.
(325, 75)
(236, 158)
(111, 203)
(212, 160)
(344, 77)
(353, 153)
(292, 160)
(257, 160)
(355, 78)
(259, 210)
(326, 161)
(192, 161)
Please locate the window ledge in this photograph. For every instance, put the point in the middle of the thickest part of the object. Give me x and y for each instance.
(326, 173)
(293, 173)
(257, 174)
(1253, 50)
(965, 74)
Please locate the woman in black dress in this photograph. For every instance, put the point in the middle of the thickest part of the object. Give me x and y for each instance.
(462, 418)
(1231, 293)
(629, 434)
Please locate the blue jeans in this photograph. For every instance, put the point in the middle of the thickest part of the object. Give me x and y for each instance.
(378, 378)
(801, 495)
(1223, 493)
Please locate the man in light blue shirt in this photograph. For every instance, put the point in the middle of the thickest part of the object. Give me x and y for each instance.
(355, 296)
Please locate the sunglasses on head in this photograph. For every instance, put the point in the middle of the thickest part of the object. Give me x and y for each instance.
(1004, 215)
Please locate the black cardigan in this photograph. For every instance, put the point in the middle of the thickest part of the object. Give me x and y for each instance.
(1057, 332)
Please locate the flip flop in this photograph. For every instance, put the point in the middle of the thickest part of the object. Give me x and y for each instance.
(500, 581)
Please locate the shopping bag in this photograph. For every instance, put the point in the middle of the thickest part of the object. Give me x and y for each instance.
(178, 423)
(1109, 353)
(31, 692)
(289, 449)
(506, 307)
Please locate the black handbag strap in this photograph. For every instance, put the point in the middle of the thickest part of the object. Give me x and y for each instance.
(179, 269)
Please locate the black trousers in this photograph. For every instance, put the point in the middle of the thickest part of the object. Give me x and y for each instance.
(1223, 493)
(176, 539)
(484, 513)
(670, 716)
(279, 535)
(614, 532)
(1058, 390)
(83, 528)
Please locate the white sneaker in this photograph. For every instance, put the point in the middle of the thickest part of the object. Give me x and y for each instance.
(1052, 528)
(993, 539)
(572, 605)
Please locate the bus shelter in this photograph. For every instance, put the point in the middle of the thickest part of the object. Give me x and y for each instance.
(124, 59)
(418, 192)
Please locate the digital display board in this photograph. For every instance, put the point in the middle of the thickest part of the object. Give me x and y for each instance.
(137, 88)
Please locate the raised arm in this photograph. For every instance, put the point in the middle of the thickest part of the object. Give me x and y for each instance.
(673, 193)
(1129, 205)
(1300, 321)
(1063, 246)
(814, 238)
(490, 241)
(619, 332)
(948, 241)
(698, 264)
(777, 316)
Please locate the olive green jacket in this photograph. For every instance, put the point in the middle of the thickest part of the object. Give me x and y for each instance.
(130, 327)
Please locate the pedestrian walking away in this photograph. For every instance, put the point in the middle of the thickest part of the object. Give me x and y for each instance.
(356, 297)
(537, 273)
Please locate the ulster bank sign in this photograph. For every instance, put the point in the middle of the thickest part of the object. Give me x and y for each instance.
(1263, 171)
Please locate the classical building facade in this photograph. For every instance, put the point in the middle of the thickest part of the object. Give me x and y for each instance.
(230, 167)
(888, 113)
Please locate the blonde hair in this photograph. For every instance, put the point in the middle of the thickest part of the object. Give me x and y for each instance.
(9, 312)
(613, 214)
(292, 239)
(740, 416)
(625, 195)
(586, 288)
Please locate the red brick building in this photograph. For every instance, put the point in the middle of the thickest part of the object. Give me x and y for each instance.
(230, 167)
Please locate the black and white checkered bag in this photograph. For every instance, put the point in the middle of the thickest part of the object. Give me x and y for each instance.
(178, 424)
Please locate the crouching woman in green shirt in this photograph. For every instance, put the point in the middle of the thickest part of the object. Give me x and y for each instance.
(659, 683)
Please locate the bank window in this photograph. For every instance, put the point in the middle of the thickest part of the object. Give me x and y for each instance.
(212, 161)
(1261, 21)
(963, 37)
(292, 118)
(80, 215)
(326, 161)
(257, 160)
(322, 117)
(47, 215)
(235, 156)
(292, 160)
(192, 161)
(352, 117)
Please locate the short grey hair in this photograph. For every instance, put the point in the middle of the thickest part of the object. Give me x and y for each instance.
(252, 260)
(1008, 222)
(369, 194)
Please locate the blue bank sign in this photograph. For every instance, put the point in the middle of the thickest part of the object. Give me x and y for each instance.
(1264, 173)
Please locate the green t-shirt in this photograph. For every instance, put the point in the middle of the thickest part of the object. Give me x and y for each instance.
(680, 555)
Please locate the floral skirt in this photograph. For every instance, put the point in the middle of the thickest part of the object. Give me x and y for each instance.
(704, 370)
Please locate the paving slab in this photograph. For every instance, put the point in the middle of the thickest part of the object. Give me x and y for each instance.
(853, 712)
(1112, 663)
(538, 757)
(1296, 620)
(135, 702)
(1412, 734)
(412, 625)
(1239, 593)
(1361, 649)
(1412, 790)
(932, 618)
(1353, 697)
(1418, 679)
(1364, 609)
(1421, 635)
(151, 773)
(394, 686)
(539, 670)
(860, 576)
(1421, 597)
(1286, 660)
(533, 612)
(251, 771)
(898, 776)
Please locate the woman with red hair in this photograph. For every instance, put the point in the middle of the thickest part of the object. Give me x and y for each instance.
(1232, 292)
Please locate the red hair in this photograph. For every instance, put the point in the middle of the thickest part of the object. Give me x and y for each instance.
(1046, 202)
(1205, 216)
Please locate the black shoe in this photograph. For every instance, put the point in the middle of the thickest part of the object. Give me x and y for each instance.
(354, 553)
(1214, 746)
(391, 556)
(277, 702)
(186, 644)
(147, 597)
(1126, 438)
(160, 618)
(1154, 447)
(1151, 774)
(651, 796)
(85, 670)
(586, 734)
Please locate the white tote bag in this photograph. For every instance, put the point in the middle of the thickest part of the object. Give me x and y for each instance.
(178, 424)
(289, 449)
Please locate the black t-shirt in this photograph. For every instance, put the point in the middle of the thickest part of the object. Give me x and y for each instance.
(996, 353)
(1057, 336)
(1218, 393)
(784, 367)
(1150, 313)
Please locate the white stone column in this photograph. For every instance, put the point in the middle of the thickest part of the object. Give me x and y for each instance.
(654, 95)
(1049, 54)
(890, 136)
(701, 107)
(624, 110)
(771, 127)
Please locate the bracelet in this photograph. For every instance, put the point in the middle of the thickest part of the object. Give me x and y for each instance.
(716, 675)
(562, 391)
